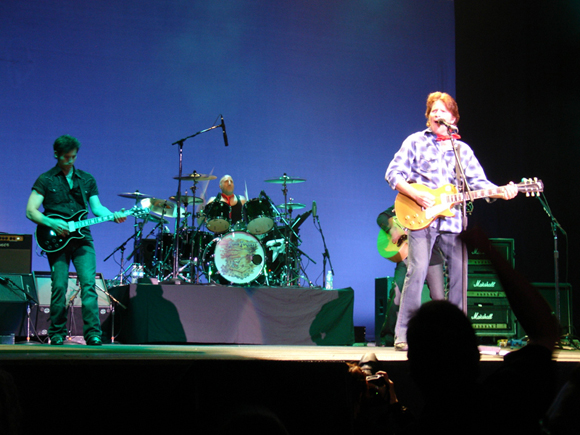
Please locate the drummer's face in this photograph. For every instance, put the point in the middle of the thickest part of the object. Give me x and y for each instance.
(227, 185)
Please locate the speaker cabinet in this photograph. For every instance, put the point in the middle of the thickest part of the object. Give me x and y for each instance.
(548, 291)
(478, 263)
(16, 290)
(41, 313)
(15, 253)
(491, 316)
(383, 288)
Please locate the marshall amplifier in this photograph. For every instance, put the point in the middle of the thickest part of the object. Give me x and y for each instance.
(484, 285)
(477, 262)
(491, 316)
(15, 253)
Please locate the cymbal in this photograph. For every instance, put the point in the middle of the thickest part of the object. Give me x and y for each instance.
(163, 207)
(292, 205)
(196, 177)
(285, 179)
(188, 199)
(134, 195)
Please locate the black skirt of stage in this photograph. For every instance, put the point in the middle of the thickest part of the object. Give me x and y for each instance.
(231, 315)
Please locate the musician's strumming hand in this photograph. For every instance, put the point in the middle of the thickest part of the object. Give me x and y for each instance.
(424, 199)
(59, 226)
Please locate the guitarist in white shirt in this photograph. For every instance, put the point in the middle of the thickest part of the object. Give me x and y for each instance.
(427, 158)
(64, 191)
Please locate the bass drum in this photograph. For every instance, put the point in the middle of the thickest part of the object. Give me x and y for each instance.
(234, 258)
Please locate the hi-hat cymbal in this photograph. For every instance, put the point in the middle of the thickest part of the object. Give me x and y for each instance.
(188, 199)
(285, 179)
(196, 177)
(163, 207)
(292, 205)
(134, 195)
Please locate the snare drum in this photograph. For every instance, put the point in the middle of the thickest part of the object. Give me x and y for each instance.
(218, 216)
(236, 257)
(258, 216)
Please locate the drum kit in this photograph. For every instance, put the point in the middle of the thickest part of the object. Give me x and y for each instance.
(261, 249)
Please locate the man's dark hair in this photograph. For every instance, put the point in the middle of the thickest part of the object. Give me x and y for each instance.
(65, 144)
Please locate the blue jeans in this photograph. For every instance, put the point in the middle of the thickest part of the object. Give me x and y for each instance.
(82, 255)
(421, 243)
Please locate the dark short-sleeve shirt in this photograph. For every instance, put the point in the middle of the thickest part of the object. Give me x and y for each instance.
(59, 198)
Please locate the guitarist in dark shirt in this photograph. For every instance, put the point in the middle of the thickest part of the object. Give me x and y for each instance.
(64, 191)
(434, 280)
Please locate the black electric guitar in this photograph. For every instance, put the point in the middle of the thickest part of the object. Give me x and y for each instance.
(50, 241)
(414, 217)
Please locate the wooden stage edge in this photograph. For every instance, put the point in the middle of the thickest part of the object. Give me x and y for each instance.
(167, 352)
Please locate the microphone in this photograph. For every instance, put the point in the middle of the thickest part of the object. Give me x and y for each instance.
(314, 211)
(224, 131)
(446, 124)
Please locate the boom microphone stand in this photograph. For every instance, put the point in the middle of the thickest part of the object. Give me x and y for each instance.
(555, 226)
(180, 143)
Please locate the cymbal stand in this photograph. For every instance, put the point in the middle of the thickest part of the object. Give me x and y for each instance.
(286, 228)
(325, 254)
(122, 272)
(193, 267)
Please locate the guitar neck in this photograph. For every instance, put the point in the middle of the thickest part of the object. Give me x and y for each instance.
(89, 222)
(474, 194)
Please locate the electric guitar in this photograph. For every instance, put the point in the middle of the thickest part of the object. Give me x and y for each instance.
(414, 217)
(393, 251)
(50, 241)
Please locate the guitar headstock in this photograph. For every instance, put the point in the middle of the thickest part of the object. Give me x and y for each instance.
(531, 186)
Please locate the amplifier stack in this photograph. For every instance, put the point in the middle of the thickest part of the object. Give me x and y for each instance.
(487, 306)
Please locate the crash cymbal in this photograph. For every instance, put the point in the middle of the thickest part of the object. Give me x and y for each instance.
(285, 179)
(196, 177)
(163, 207)
(134, 195)
(188, 199)
(292, 205)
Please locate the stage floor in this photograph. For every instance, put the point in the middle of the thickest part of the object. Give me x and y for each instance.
(74, 350)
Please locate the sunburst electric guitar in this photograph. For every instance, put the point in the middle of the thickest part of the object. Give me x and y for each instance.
(394, 251)
(414, 217)
(50, 241)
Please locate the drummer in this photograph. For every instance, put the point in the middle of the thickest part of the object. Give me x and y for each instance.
(236, 202)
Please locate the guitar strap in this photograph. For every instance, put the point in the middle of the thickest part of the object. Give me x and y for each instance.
(82, 186)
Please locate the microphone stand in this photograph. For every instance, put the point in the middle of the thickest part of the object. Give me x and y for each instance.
(325, 254)
(555, 226)
(462, 188)
(180, 142)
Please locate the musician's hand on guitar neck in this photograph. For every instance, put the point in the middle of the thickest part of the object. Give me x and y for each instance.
(120, 216)
(510, 191)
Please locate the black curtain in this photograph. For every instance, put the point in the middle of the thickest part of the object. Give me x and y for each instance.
(518, 92)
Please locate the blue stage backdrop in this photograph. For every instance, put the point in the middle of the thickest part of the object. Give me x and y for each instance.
(324, 90)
